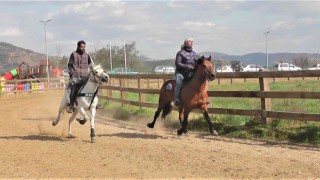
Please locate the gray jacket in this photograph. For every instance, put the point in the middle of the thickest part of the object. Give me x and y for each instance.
(78, 64)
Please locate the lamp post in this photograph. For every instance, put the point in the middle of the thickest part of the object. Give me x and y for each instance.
(266, 33)
(45, 41)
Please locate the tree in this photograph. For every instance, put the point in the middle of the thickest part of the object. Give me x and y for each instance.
(102, 56)
(64, 62)
(301, 61)
(58, 50)
(235, 65)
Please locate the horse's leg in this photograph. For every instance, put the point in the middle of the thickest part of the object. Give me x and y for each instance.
(207, 117)
(62, 106)
(156, 115)
(56, 121)
(164, 105)
(84, 114)
(73, 116)
(183, 117)
(93, 113)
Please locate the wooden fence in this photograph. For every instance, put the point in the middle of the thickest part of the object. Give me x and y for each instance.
(122, 83)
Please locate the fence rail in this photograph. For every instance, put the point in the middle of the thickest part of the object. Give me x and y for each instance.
(30, 85)
(265, 95)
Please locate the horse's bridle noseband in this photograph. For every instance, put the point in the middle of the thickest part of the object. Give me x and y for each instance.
(208, 73)
(94, 77)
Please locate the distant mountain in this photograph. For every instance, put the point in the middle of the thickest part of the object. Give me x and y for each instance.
(252, 58)
(260, 58)
(11, 56)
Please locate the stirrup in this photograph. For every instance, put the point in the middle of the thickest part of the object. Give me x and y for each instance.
(70, 109)
(99, 106)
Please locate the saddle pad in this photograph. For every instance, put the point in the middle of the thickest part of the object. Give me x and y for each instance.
(171, 85)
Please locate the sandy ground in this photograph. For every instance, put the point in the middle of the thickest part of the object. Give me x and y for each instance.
(31, 148)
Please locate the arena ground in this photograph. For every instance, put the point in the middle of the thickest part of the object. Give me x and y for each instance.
(30, 147)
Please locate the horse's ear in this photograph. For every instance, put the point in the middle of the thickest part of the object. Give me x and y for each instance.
(209, 58)
(201, 59)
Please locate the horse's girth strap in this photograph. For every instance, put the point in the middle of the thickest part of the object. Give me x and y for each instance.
(86, 94)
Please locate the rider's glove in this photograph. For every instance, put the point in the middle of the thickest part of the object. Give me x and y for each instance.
(189, 67)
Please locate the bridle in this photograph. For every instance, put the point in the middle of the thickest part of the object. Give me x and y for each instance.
(93, 76)
(208, 73)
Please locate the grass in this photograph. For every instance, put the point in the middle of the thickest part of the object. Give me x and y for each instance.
(241, 126)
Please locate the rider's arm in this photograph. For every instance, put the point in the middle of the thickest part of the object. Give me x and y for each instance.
(179, 63)
(70, 63)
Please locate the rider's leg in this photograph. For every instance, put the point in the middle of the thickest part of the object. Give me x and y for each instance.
(74, 86)
(179, 79)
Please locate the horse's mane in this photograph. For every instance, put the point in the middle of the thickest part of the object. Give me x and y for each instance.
(191, 74)
(93, 66)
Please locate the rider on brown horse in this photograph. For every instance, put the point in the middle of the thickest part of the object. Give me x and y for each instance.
(186, 60)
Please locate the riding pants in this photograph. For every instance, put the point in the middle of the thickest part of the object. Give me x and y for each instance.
(179, 79)
(76, 83)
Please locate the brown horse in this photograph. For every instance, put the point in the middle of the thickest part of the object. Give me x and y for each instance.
(193, 95)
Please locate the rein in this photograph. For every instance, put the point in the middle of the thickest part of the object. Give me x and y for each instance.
(93, 95)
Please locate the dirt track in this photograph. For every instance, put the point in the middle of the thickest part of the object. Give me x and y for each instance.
(31, 148)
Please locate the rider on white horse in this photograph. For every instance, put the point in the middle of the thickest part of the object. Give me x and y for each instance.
(86, 99)
(78, 65)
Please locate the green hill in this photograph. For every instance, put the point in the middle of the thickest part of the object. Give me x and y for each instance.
(11, 56)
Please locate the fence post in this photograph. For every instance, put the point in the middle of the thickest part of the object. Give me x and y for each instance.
(15, 88)
(109, 90)
(141, 96)
(148, 84)
(123, 93)
(218, 80)
(158, 83)
(265, 102)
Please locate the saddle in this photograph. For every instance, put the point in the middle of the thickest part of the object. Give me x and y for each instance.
(171, 84)
(188, 76)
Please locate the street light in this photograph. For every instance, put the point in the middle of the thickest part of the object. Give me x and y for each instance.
(45, 41)
(266, 33)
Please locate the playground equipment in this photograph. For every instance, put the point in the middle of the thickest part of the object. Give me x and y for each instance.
(23, 71)
(11, 74)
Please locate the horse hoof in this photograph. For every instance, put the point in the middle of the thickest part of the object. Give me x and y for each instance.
(82, 122)
(92, 140)
(150, 125)
(179, 132)
(71, 136)
(214, 133)
(53, 123)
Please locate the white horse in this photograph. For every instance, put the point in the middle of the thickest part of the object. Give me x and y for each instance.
(86, 100)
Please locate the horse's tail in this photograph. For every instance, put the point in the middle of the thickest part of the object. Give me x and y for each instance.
(166, 110)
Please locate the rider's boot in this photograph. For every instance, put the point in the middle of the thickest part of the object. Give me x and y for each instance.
(99, 106)
(179, 79)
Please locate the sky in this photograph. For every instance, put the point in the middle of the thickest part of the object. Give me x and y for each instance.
(160, 27)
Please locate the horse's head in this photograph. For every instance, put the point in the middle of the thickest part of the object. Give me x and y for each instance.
(99, 75)
(206, 67)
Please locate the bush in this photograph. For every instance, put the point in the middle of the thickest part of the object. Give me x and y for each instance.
(308, 134)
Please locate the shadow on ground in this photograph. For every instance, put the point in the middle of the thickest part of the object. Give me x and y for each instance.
(133, 136)
(34, 137)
